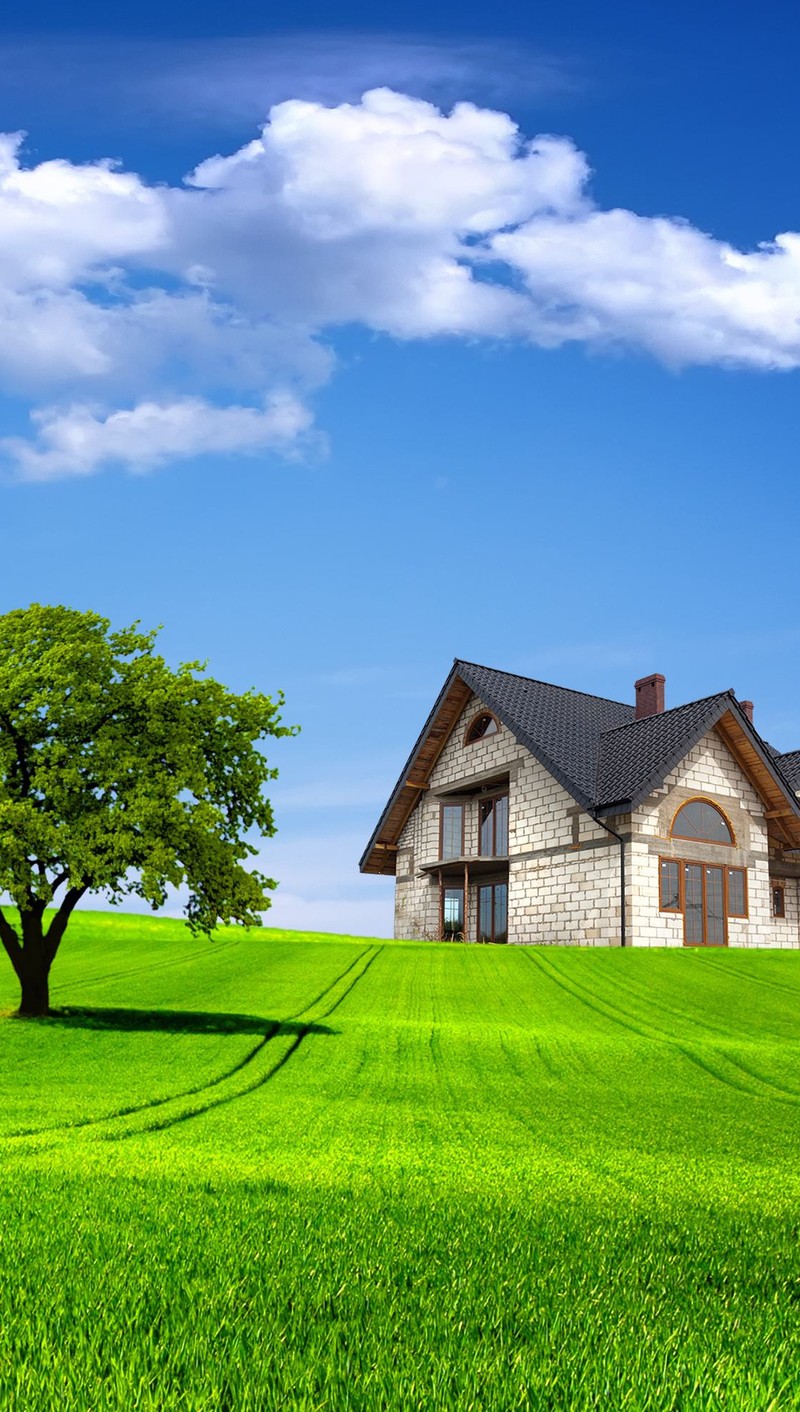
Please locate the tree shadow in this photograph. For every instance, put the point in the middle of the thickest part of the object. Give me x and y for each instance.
(179, 1022)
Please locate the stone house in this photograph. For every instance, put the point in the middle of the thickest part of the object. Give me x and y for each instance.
(534, 814)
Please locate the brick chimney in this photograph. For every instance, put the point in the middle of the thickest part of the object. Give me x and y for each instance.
(650, 696)
(747, 707)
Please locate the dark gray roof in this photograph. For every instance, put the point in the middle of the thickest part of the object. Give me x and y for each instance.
(595, 747)
(562, 728)
(636, 758)
(790, 764)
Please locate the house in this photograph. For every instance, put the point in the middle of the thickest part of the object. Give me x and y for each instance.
(535, 814)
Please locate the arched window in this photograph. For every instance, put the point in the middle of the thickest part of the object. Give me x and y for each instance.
(703, 821)
(482, 725)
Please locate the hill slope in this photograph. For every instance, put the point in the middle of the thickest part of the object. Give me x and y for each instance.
(432, 1173)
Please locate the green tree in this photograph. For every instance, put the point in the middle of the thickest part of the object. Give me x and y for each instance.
(121, 775)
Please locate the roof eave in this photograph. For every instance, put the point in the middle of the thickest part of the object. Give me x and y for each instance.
(396, 797)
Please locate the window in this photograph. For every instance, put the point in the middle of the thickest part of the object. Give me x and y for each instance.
(703, 821)
(452, 831)
(778, 900)
(482, 725)
(493, 912)
(493, 815)
(453, 912)
(706, 895)
(670, 886)
(737, 892)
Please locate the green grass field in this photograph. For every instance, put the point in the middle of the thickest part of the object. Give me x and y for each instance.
(285, 1171)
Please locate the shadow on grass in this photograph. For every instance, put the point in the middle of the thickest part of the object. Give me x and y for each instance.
(178, 1022)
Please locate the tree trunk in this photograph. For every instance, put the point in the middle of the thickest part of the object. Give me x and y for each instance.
(35, 982)
(33, 963)
(33, 953)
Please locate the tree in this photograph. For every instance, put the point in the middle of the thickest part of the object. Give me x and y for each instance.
(121, 775)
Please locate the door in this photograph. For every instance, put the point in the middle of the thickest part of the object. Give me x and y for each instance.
(704, 905)
(493, 912)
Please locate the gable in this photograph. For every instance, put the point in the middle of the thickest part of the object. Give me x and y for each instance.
(716, 766)
(459, 761)
(710, 771)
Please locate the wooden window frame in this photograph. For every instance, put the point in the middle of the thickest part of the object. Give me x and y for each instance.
(492, 886)
(478, 738)
(672, 911)
(704, 894)
(781, 888)
(452, 804)
(693, 838)
(491, 799)
(453, 887)
(737, 916)
(680, 911)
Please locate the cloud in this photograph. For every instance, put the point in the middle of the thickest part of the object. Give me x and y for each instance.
(231, 81)
(351, 916)
(659, 285)
(137, 314)
(58, 220)
(328, 897)
(79, 442)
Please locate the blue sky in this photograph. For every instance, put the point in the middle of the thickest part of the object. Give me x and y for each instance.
(392, 386)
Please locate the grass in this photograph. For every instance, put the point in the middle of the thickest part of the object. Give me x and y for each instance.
(288, 1171)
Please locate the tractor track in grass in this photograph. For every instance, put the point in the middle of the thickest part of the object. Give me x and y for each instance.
(640, 995)
(775, 1092)
(262, 1079)
(785, 1092)
(274, 1029)
(732, 972)
(151, 1103)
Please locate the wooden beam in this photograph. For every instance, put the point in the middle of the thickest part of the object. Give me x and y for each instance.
(426, 757)
(755, 771)
(441, 907)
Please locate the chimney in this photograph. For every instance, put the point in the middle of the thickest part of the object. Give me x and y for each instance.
(747, 707)
(650, 696)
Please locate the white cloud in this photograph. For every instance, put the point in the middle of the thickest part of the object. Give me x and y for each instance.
(659, 285)
(132, 311)
(78, 442)
(60, 221)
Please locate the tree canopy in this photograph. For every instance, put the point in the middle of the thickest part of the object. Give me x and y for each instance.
(121, 775)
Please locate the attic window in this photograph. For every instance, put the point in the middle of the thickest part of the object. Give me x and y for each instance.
(483, 725)
(700, 820)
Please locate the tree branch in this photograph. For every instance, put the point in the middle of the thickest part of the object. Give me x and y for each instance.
(58, 925)
(11, 942)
